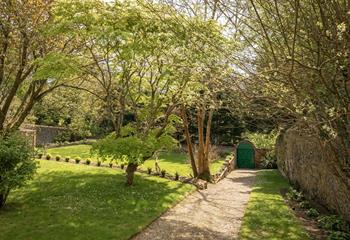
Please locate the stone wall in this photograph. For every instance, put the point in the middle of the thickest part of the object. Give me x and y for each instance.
(260, 154)
(30, 135)
(44, 134)
(307, 163)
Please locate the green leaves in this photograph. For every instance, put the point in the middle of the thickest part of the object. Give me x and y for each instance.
(135, 148)
(17, 164)
(55, 66)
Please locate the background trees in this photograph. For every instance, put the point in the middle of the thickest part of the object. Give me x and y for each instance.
(297, 62)
(33, 61)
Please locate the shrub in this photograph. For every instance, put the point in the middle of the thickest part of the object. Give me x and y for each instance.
(304, 205)
(67, 159)
(333, 223)
(149, 170)
(17, 163)
(88, 161)
(99, 163)
(122, 166)
(177, 176)
(77, 160)
(337, 235)
(48, 156)
(294, 195)
(261, 140)
(270, 160)
(40, 155)
(229, 157)
(313, 213)
(110, 164)
(163, 172)
(63, 137)
(58, 157)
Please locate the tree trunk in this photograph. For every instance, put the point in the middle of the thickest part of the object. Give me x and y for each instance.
(189, 141)
(130, 172)
(200, 153)
(205, 175)
(3, 197)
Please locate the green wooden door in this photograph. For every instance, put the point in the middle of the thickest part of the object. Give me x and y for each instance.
(245, 155)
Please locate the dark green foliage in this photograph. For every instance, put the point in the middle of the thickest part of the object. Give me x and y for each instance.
(294, 195)
(88, 161)
(149, 170)
(337, 235)
(333, 223)
(163, 172)
(313, 213)
(99, 163)
(304, 205)
(122, 166)
(67, 159)
(226, 127)
(62, 137)
(270, 160)
(177, 176)
(110, 164)
(77, 160)
(40, 155)
(17, 163)
(48, 156)
(58, 157)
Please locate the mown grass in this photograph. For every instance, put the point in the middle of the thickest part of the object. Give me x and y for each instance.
(67, 201)
(267, 216)
(171, 162)
(82, 151)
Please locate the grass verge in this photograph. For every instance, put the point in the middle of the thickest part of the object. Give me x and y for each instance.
(267, 216)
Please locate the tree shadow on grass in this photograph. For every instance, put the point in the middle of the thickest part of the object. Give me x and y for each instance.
(97, 205)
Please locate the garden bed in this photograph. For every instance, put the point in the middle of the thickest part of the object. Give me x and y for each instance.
(320, 223)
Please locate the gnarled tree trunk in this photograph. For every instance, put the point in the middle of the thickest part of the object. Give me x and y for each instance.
(130, 172)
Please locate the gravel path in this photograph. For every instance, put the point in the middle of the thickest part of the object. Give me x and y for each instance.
(212, 214)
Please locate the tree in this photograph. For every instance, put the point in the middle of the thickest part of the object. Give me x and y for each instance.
(33, 60)
(151, 93)
(17, 163)
(299, 56)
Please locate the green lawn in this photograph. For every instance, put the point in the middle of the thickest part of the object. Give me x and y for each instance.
(82, 151)
(67, 201)
(267, 216)
(171, 162)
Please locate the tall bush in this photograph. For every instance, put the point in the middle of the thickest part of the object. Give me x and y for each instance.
(262, 140)
(17, 163)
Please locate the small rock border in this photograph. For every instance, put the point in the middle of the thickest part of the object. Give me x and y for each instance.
(183, 179)
(225, 170)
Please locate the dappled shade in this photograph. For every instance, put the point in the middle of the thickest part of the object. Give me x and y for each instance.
(78, 202)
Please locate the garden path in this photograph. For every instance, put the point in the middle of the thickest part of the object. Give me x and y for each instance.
(214, 213)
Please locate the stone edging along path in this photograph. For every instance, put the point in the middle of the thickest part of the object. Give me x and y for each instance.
(212, 214)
